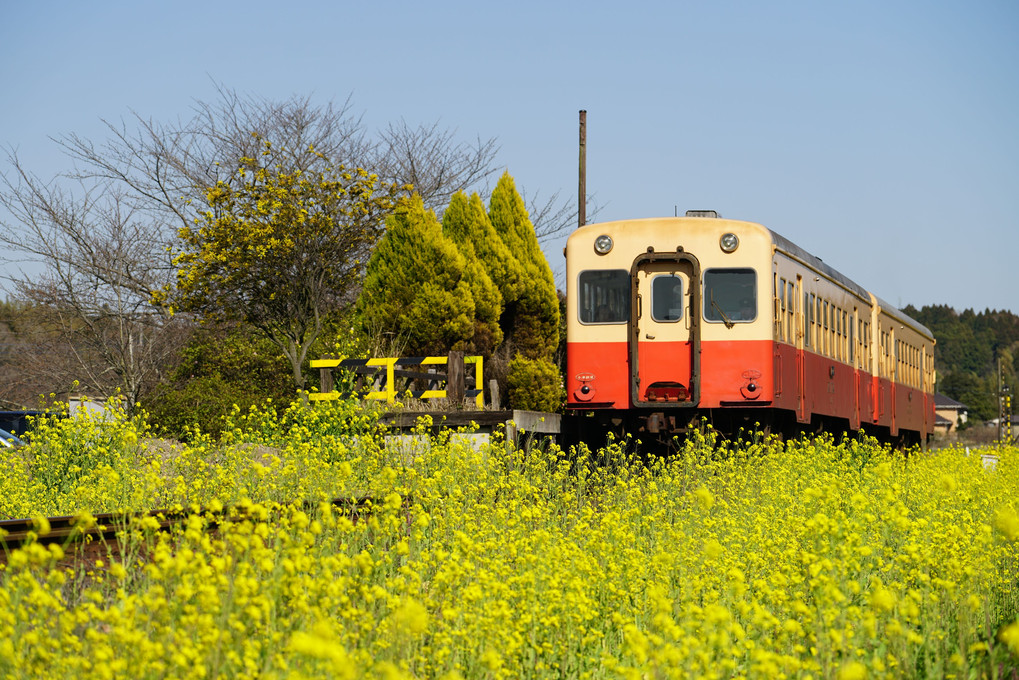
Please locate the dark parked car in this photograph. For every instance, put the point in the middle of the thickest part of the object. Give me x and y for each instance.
(9, 440)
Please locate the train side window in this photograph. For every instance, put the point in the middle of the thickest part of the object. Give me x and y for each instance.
(863, 343)
(833, 347)
(880, 368)
(812, 317)
(908, 363)
(730, 295)
(883, 355)
(836, 331)
(895, 376)
(865, 332)
(790, 312)
(889, 369)
(843, 337)
(835, 339)
(666, 298)
(844, 330)
(852, 339)
(604, 296)
(822, 327)
(781, 332)
(808, 319)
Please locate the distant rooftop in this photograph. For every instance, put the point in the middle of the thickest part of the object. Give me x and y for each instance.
(942, 401)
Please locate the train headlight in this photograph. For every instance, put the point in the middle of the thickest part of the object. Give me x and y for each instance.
(603, 244)
(729, 242)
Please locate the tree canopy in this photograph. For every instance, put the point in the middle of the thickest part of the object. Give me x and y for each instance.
(280, 247)
(416, 286)
(488, 261)
(533, 324)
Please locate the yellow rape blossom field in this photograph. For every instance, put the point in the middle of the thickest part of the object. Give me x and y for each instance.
(809, 559)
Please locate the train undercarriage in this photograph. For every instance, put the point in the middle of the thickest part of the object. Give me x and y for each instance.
(660, 432)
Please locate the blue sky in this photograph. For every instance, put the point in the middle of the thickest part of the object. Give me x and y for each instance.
(881, 136)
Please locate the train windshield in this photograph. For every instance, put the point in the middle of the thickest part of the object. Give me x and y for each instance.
(730, 295)
(604, 296)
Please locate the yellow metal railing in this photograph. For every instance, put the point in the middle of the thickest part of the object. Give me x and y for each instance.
(389, 391)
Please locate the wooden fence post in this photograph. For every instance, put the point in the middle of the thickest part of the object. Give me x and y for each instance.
(493, 393)
(456, 384)
(325, 376)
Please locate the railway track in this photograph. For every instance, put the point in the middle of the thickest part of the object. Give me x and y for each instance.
(71, 529)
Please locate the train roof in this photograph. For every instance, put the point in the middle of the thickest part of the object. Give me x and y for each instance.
(817, 263)
(891, 310)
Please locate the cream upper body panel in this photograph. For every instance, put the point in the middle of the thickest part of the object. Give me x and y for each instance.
(697, 236)
(770, 255)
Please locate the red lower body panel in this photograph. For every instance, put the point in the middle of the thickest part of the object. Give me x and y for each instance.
(732, 373)
(746, 374)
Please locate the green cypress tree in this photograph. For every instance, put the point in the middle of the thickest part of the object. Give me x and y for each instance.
(534, 326)
(466, 222)
(509, 216)
(416, 286)
(533, 322)
(463, 224)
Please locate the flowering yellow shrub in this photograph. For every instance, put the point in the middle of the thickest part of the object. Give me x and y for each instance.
(809, 559)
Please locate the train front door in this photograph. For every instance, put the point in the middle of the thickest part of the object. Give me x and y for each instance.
(664, 333)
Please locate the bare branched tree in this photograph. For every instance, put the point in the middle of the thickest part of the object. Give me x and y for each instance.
(166, 169)
(554, 217)
(34, 359)
(432, 161)
(100, 266)
(169, 167)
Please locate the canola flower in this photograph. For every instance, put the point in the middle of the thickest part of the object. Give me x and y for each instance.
(809, 559)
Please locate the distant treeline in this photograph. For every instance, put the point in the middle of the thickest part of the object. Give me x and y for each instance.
(969, 346)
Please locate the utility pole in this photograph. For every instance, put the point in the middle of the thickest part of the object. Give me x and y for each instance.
(582, 189)
(1004, 409)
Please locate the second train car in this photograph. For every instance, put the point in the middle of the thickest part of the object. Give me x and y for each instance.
(672, 321)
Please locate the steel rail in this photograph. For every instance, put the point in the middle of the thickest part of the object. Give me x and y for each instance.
(66, 529)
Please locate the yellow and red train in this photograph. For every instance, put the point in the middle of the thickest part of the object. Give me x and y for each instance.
(673, 320)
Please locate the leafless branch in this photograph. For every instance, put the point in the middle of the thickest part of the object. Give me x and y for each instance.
(554, 217)
(431, 160)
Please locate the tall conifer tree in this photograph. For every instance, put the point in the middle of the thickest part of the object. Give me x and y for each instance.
(416, 285)
(469, 223)
(535, 324)
(470, 230)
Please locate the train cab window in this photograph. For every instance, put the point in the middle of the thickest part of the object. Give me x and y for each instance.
(666, 298)
(604, 296)
(730, 295)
